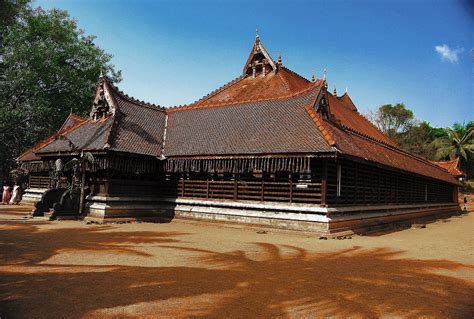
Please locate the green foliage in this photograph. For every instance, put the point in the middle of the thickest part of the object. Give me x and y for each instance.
(48, 67)
(9, 12)
(393, 119)
(418, 140)
(422, 139)
(457, 142)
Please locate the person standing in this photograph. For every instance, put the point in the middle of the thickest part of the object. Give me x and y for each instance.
(16, 196)
(6, 193)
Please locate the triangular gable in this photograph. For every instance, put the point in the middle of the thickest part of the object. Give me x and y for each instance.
(346, 99)
(259, 60)
(104, 103)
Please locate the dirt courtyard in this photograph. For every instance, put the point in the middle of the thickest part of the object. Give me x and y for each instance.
(184, 269)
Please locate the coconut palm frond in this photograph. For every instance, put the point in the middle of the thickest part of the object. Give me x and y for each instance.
(443, 153)
(469, 147)
(468, 136)
(463, 153)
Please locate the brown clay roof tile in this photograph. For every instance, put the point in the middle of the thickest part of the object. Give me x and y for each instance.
(452, 167)
(259, 127)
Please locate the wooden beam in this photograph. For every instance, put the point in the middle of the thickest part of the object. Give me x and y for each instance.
(324, 179)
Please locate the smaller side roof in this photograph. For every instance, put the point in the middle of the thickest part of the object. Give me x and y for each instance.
(124, 125)
(453, 167)
(71, 122)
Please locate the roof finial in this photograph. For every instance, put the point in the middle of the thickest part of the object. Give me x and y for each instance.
(324, 79)
(280, 61)
(346, 90)
(312, 77)
(334, 92)
(257, 36)
(101, 73)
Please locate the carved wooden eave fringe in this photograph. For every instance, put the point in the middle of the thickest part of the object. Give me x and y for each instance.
(129, 165)
(299, 164)
(36, 166)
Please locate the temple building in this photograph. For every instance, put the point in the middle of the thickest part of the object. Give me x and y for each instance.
(268, 148)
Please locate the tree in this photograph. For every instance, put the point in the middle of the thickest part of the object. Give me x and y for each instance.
(48, 68)
(458, 142)
(393, 119)
(9, 12)
(418, 139)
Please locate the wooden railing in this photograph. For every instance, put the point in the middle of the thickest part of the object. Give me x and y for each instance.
(40, 182)
(291, 191)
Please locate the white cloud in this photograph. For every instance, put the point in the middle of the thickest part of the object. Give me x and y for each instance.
(448, 54)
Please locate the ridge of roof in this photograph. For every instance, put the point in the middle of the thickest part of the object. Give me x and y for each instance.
(346, 98)
(295, 73)
(451, 166)
(320, 125)
(51, 138)
(453, 161)
(392, 144)
(212, 93)
(233, 102)
(131, 99)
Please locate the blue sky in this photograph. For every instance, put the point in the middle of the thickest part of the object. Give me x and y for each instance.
(173, 52)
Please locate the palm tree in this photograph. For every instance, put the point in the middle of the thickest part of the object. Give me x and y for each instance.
(78, 166)
(457, 142)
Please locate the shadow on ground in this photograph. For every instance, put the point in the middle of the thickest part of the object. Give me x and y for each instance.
(353, 282)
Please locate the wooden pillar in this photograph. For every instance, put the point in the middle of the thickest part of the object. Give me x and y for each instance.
(291, 187)
(235, 187)
(324, 181)
(455, 194)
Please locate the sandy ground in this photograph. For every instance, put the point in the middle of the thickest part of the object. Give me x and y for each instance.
(184, 269)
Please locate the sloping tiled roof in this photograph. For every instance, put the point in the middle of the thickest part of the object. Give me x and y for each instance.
(90, 135)
(140, 128)
(452, 167)
(72, 121)
(353, 144)
(346, 99)
(258, 127)
(137, 127)
(344, 111)
(281, 83)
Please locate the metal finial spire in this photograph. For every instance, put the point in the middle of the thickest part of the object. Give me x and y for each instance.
(313, 78)
(280, 61)
(101, 73)
(324, 79)
(335, 91)
(346, 90)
